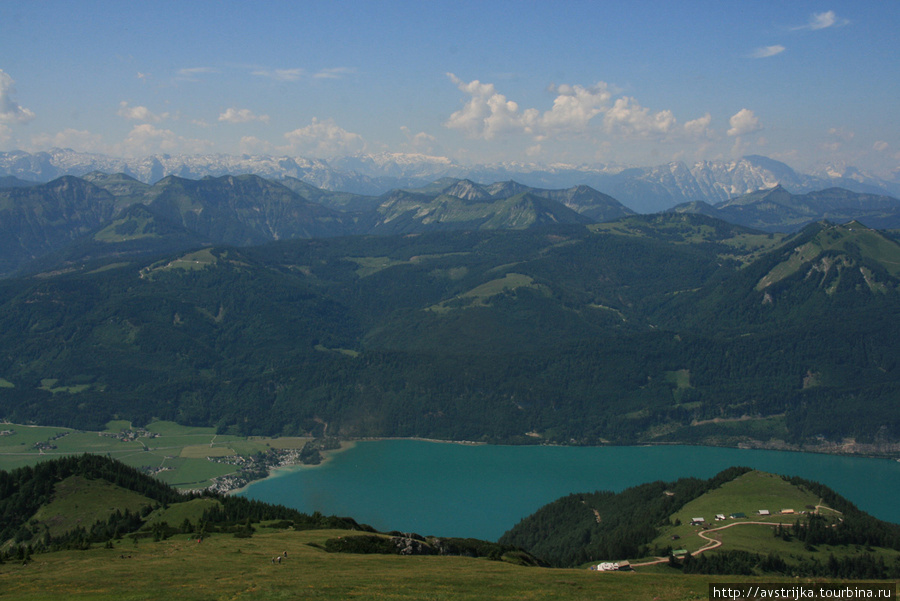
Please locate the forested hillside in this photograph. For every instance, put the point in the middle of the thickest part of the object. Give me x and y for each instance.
(660, 328)
(647, 520)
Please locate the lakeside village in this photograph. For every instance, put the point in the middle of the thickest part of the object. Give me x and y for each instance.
(256, 466)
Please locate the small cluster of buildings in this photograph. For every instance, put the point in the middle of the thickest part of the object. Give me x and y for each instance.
(130, 435)
(720, 517)
(253, 467)
(608, 566)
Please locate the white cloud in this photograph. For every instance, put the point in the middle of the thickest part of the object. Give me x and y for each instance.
(334, 73)
(146, 139)
(10, 110)
(574, 107)
(767, 51)
(324, 138)
(489, 113)
(421, 142)
(233, 115)
(630, 118)
(280, 74)
(699, 128)
(823, 21)
(881, 145)
(140, 113)
(80, 140)
(743, 122)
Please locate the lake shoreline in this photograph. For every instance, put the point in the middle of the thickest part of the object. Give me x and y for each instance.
(830, 449)
(481, 491)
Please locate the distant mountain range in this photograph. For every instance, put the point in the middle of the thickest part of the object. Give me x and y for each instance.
(642, 189)
(76, 219)
(777, 210)
(119, 215)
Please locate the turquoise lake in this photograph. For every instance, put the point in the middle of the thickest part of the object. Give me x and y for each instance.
(482, 491)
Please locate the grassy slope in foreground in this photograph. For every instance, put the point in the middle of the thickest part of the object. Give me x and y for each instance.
(223, 567)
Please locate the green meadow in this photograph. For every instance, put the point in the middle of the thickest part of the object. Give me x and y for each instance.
(748, 494)
(225, 567)
(178, 455)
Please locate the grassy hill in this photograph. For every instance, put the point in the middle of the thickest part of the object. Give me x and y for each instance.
(176, 546)
(224, 567)
(771, 524)
(79, 502)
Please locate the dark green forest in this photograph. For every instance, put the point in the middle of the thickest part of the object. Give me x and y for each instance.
(646, 332)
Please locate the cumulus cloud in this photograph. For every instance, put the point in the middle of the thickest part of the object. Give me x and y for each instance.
(574, 107)
(881, 145)
(767, 51)
(743, 122)
(10, 110)
(280, 74)
(488, 113)
(823, 21)
(147, 139)
(699, 128)
(140, 113)
(324, 138)
(233, 115)
(630, 118)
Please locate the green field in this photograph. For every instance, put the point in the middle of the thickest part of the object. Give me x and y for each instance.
(748, 494)
(78, 501)
(175, 514)
(179, 452)
(224, 567)
(480, 295)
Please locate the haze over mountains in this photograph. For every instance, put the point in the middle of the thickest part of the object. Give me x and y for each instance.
(374, 313)
(642, 189)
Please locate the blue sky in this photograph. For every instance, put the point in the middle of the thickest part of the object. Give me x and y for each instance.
(638, 83)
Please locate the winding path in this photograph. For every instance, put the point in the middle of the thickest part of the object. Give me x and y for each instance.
(711, 542)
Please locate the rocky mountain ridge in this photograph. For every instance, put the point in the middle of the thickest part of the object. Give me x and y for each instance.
(642, 189)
